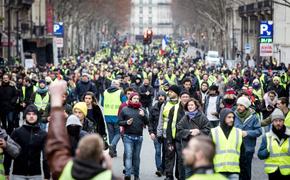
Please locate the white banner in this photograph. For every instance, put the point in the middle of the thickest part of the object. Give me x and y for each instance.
(266, 49)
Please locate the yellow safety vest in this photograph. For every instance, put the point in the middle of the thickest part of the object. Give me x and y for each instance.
(66, 173)
(287, 120)
(2, 172)
(215, 176)
(174, 120)
(279, 156)
(112, 102)
(227, 158)
(165, 114)
(258, 93)
(41, 103)
(24, 90)
(171, 80)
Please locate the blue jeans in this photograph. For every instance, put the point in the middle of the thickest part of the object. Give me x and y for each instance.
(114, 133)
(132, 144)
(158, 160)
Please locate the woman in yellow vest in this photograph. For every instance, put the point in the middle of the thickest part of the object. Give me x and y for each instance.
(275, 148)
(228, 141)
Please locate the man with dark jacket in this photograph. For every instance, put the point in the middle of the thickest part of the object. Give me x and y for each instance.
(146, 93)
(84, 86)
(152, 128)
(212, 106)
(275, 86)
(8, 99)
(174, 148)
(32, 141)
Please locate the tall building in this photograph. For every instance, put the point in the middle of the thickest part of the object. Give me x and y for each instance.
(151, 14)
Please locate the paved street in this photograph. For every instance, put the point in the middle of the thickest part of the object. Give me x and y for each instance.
(147, 167)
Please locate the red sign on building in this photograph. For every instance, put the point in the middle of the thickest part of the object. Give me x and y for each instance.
(49, 17)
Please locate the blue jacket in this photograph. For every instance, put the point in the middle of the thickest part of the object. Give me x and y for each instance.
(253, 127)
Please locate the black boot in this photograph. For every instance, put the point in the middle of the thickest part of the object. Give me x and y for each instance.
(127, 178)
(112, 151)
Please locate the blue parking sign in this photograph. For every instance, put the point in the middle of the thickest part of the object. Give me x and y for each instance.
(266, 29)
(58, 29)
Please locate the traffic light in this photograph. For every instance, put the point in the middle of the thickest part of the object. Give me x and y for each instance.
(147, 39)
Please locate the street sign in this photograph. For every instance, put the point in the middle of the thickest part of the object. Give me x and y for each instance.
(58, 42)
(266, 49)
(58, 29)
(266, 29)
(247, 48)
(266, 40)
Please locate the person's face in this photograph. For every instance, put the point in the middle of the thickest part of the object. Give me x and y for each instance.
(278, 123)
(204, 87)
(135, 99)
(64, 97)
(189, 154)
(146, 82)
(191, 106)
(128, 94)
(88, 99)
(79, 114)
(138, 81)
(31, 117)
(161, 98)
(85, 78)
(230, 119)
(272, 96)
(187, 85)
(172, 95)
(241, 108)
(205, 77)
(276, 82)
(42, 85)
(184, 98)
(212, 92)
(5, 79)
(280, 105)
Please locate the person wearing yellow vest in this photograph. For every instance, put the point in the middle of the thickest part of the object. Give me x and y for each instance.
(258, 90)
(113, 98)
(41, 100)
(275, 148)
(228, 141)
(7, 145)
(171, 78)
(90, 161)
(199, 155)
(26, 91)
(174, 147)
(283, 104)
(173, 93)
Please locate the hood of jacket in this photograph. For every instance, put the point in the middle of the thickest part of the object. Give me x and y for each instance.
(83, 170)
(112, 89)
(225, 127)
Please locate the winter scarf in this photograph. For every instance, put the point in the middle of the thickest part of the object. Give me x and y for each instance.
(244, 115)
(134, 105)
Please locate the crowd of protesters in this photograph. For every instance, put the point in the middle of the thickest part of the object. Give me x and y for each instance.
(117, 94)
